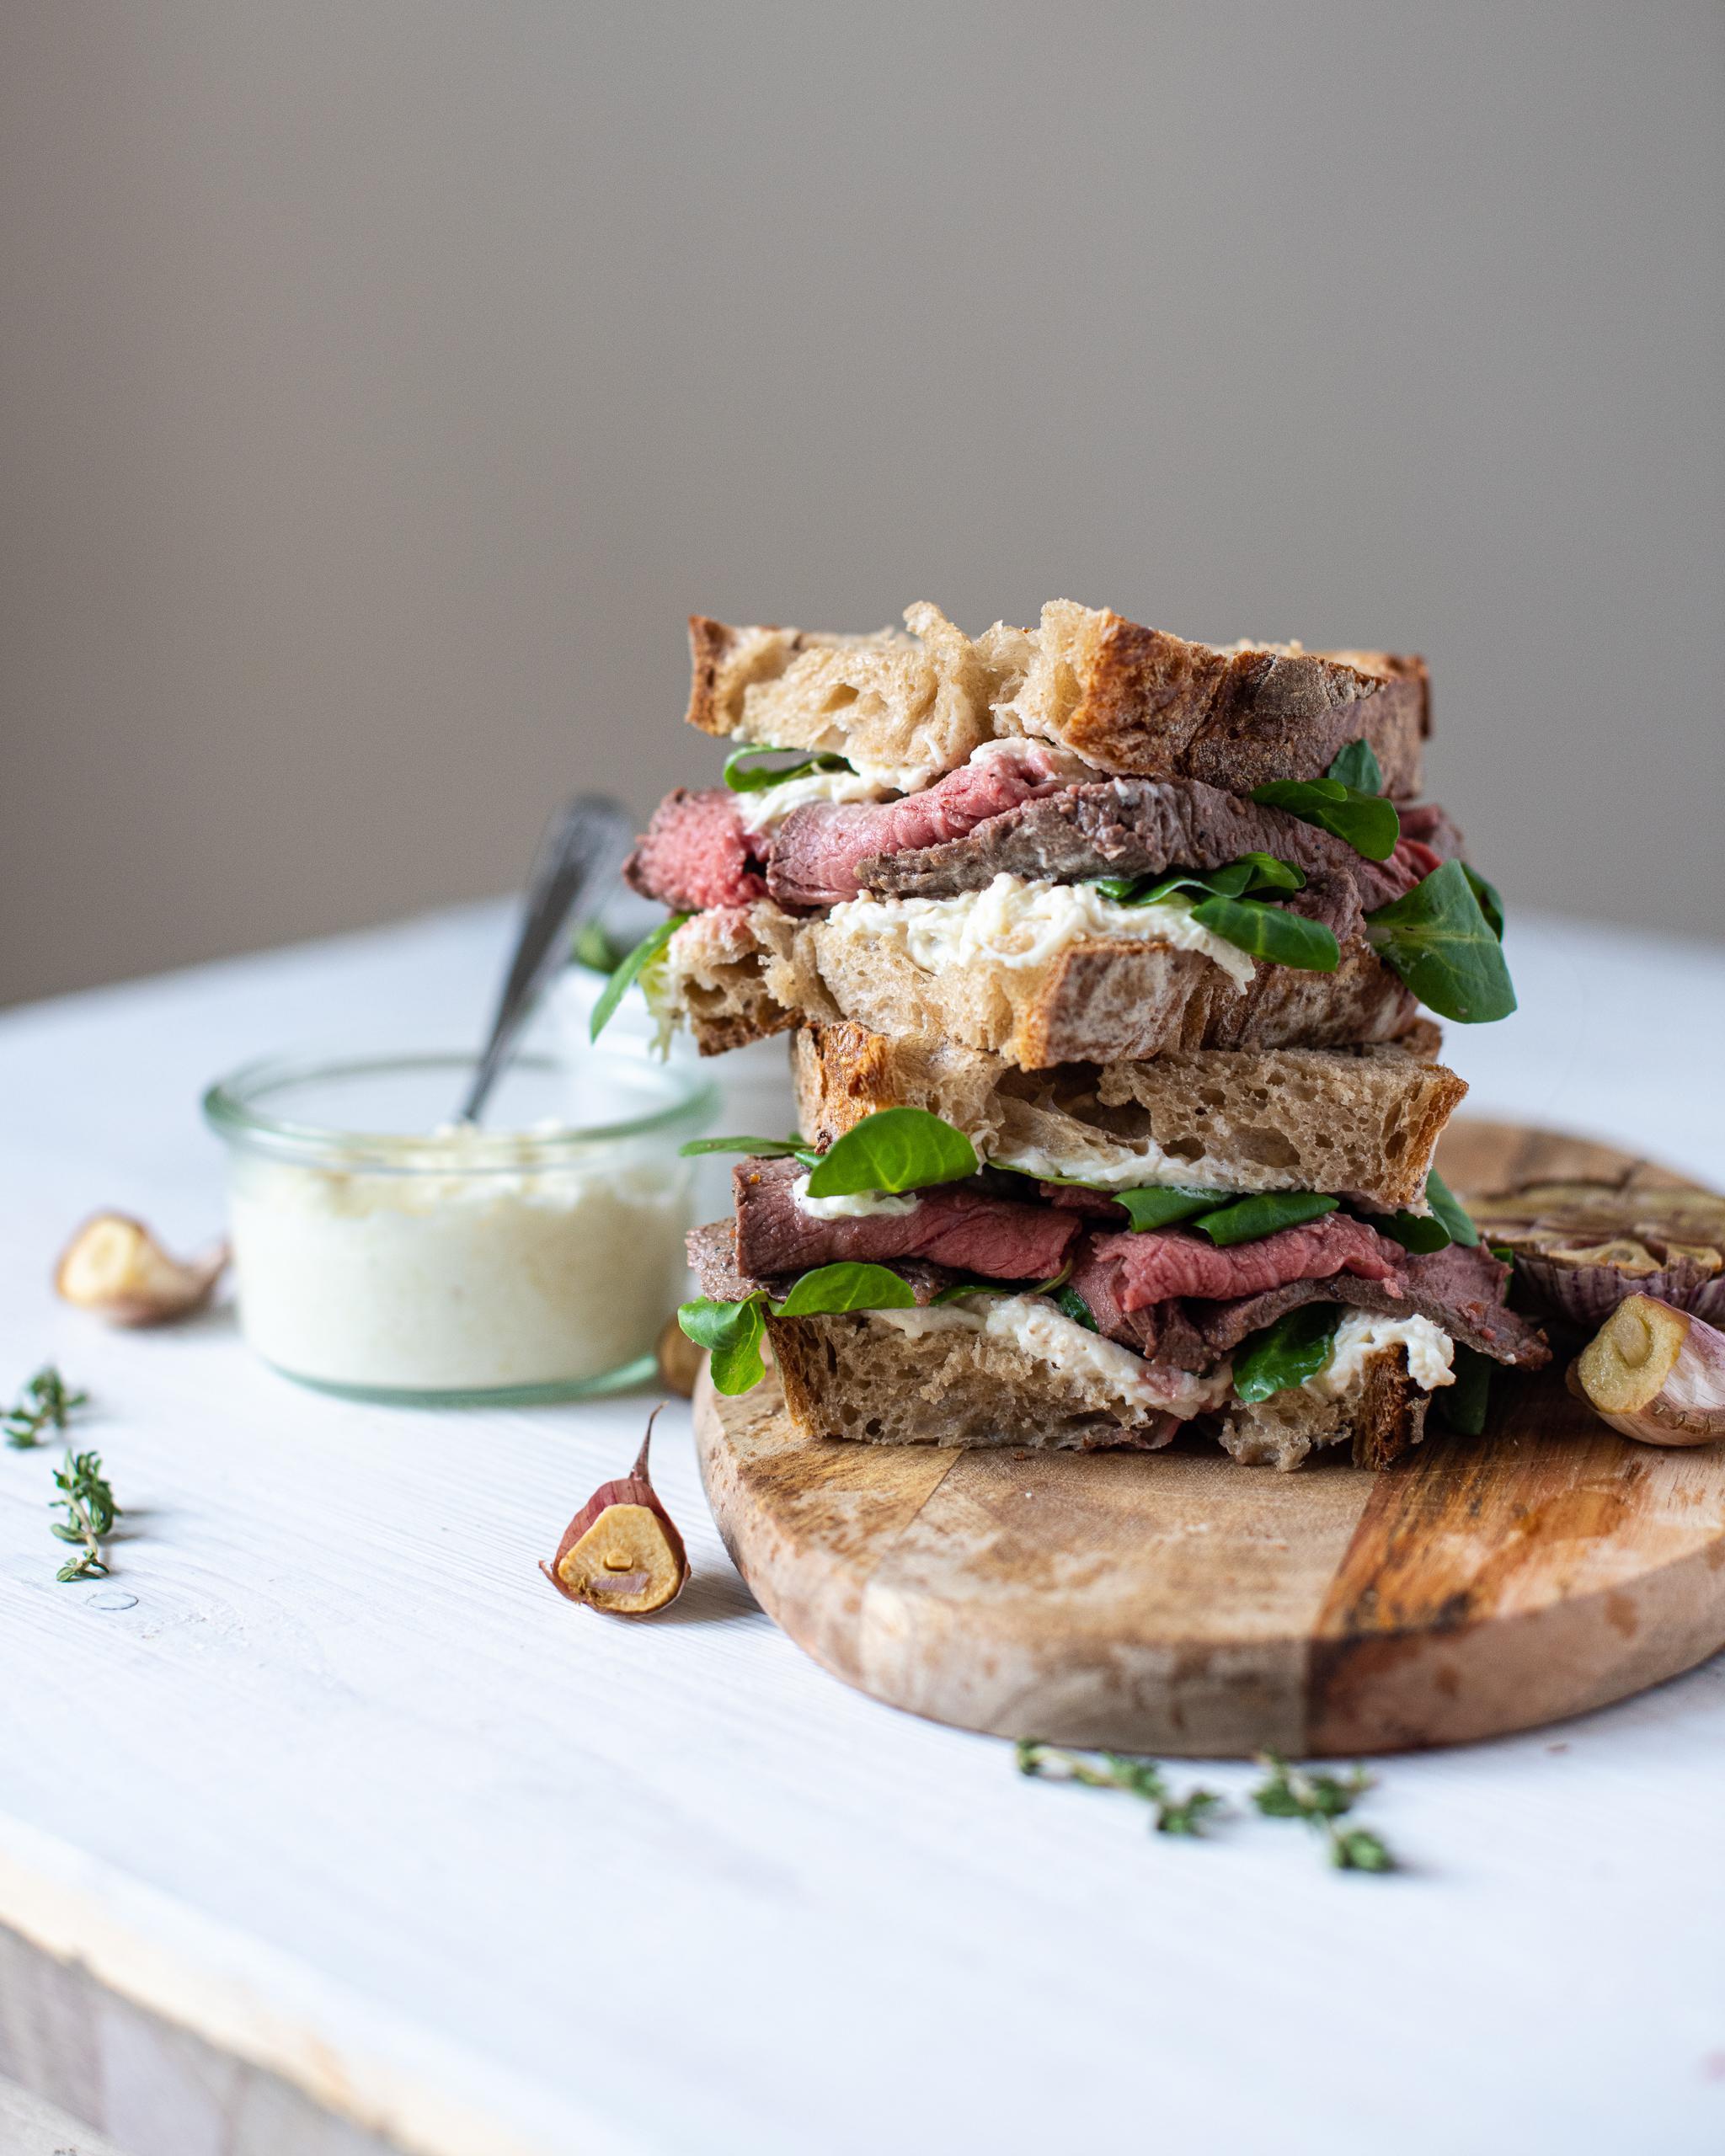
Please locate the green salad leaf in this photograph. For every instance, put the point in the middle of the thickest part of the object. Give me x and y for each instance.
(1491, 903)
(1271, 933)
(1252, 872)
(1286, 1354)
(1225, 906)
(733, 1332)
(961, 1288)
(1441, 944)
(1263, 1213)
(1463, 1404)
(763, 1149)
(594, 948)
(1367, 821)
(1448, 1208)
(632, 967)
(1419, 1232)
(894, 1149)
(1448, 1221)
(743, 773)
(1357, 768)
(847, 1286)
(1076, 1308)
(1154, 1207)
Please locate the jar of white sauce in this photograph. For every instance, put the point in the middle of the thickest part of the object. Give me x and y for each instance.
(383, 1253)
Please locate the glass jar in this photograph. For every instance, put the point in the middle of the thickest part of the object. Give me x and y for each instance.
(383, 1252)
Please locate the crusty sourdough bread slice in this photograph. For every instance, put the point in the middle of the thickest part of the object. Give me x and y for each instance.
(1359, 1120)
(1383, 1417)
(855, 1376)
(739, 973)
(1126, 698)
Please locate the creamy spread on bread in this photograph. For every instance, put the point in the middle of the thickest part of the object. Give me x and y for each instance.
(1026, 926)
(852, 1205)
(1362, 1334)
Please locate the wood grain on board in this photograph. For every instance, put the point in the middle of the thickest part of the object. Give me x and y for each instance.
(1176, 1602)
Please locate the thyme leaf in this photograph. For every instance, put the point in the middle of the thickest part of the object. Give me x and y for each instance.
(87, 1502)
(44, 1406)
(1139, 1778)
(1322, 1800)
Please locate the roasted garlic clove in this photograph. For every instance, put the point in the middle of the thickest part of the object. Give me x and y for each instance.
(1655, 1373)
(116, 1268)
(621, 1552)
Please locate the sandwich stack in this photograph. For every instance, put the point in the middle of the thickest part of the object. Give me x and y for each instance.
(1101, 956)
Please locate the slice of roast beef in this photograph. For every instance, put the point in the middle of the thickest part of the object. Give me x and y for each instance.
(713, 1258)
(1160, 1331)
(957, 1225)
(815, 850)
(1165, 1262)
(695, 854)
(1136, 827)
(1460, 1290)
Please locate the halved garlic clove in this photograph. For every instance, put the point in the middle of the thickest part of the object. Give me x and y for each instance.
(621, 1552)
(1656, 1374)
(116, 1268)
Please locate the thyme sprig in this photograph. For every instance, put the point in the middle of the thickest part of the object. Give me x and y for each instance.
(1323, 1800)
(1139, 1778)
(87, 1502)
(43, 1406)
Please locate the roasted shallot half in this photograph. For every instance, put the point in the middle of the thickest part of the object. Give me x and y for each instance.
(115, 1266)
(621, 1552)
(1655, 1373)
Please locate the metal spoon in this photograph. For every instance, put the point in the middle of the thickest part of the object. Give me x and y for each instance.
(583, 849)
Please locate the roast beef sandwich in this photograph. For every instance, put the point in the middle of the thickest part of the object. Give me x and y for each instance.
(1101, 956)
(913, 1289)
(1086, 841)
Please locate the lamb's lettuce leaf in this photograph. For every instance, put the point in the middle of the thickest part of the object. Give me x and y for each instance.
(733, 1332)
(1286, 1354)
(1438, 939)
(1155, 1207)
(1266, 1213)
(1463, 1406)
(1226, 906)
(1357, 768)
(632, 967)
(1491, 902)
(1364, 820)
(894, 1149)
(743, 773)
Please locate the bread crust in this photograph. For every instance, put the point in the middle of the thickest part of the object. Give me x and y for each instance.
(850, 1378)
(1381, 1418)
(846, 1377)
(1157, 705)
(1128, 698)
(1361, 1121)
(758, 971)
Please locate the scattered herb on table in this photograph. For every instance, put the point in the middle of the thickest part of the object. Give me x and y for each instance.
(87, 1502)
(1139, 1778)
(44, 1406)
(1323, 1801)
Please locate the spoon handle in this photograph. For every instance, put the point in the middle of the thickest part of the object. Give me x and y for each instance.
(584, 846)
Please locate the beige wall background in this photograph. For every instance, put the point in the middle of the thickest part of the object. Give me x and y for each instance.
(382, 380)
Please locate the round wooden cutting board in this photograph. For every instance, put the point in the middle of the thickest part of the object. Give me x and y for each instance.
(1175, 1602)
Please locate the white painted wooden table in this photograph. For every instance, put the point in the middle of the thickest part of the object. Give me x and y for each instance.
(326, 1792)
